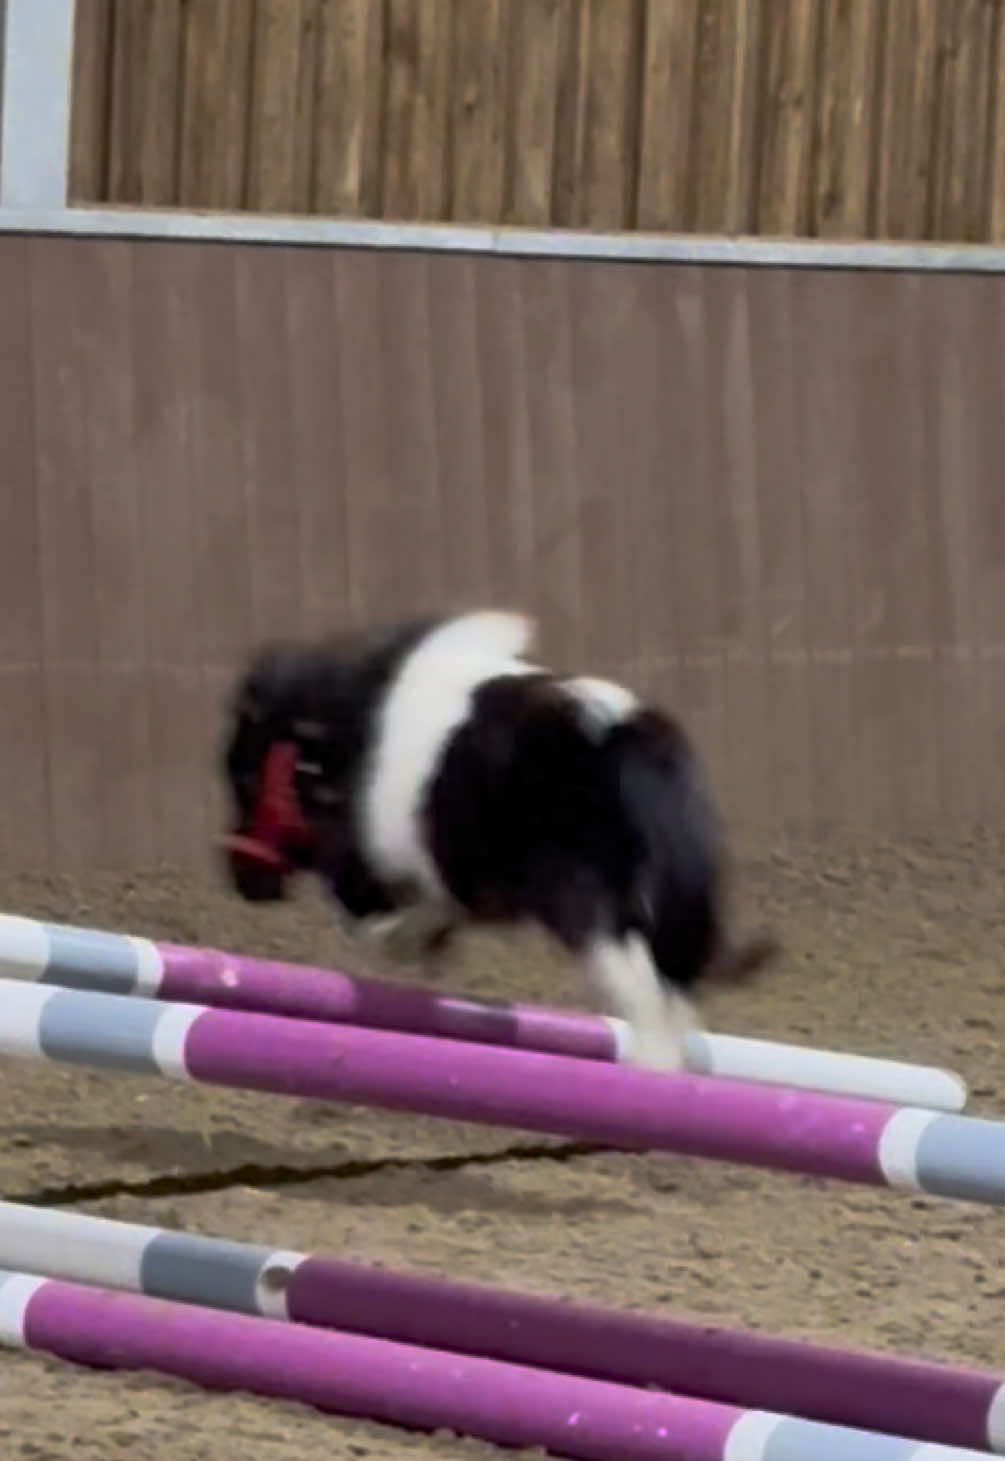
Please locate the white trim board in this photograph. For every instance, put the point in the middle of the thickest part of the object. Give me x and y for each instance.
(36, 62)
(316, 232)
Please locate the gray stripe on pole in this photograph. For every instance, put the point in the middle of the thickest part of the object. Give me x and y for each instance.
(962, 1159)
(76, 1026)
(214, 1272)
(801, 1440)
(83, 958)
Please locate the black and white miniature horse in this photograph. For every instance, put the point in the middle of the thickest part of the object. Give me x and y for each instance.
(431, 775)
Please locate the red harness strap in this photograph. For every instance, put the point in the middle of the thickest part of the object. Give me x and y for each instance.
(279, 824)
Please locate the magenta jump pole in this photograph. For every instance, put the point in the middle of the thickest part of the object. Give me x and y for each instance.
(934, 1402)
(356, 1375)
(118, 963)
(419, 1388)
(758, 1125)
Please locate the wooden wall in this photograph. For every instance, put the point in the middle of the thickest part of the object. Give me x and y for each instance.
(878, 118)
(801, 550)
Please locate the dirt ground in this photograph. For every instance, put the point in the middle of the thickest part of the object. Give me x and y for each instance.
(889, 950)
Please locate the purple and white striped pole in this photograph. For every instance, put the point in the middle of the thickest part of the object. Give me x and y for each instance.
(766, 1126)
(949, 1404)
(423, 1389)
(117, 963)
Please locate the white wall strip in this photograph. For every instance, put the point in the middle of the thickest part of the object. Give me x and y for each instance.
(36, 58)
(314, 232)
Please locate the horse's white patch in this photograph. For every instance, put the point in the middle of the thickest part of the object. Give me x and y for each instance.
(659, 1017)
(428, 699)
(603, 702)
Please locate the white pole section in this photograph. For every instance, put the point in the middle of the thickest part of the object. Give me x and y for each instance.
(36, 76)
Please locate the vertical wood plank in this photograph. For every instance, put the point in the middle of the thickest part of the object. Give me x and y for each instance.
(886, 522)
(693, 548)
(66, 545)
(746, 746)
(115, 464)
(600, 401)
(606, 186)
(996, 181)
(987, 538)
(723, 152)
(367, 422)
(92, 69)
(665, 191)
(650, 501)
(845, 120)
(416, 161)
(263, 409)
(909, 583)
(571, 79)
(833, 466)
(547, 347)
(166, 300)
(788, 39)
(24, 807)
(478, 120)
(221, 570)
(404, 336)
(509, 486)
(317, 428)
(947, 363)
(962, 154)
(778, 447)
(459, 413)
(146, 103)
(217, 96)
(971, 430)
(536, 43)
(349, 111)
(904, 150)
(281, 123)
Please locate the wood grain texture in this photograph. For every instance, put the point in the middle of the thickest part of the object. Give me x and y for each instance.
(281, 107)
(723, 140)
(213, 161)
(25, 808)
(964, 93)
(417, 109)
(668, 77)
(904, 155)
(89, 137)
(846, 97)
(785, 115)
(349, 110)
(479, 95)
(537, 59)
(820, 118)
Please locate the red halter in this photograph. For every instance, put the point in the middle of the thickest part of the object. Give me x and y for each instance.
(278, 824)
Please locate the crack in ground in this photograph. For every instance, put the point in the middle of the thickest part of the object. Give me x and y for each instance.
(260, 1175)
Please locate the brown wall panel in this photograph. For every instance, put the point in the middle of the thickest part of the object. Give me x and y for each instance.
(166, 304)
(60, 352)
(770, 498)
(546, 383)
(24, 805)
(114, 465)
(510, 489)
(458, 414)
(314, 464)
(779, 453)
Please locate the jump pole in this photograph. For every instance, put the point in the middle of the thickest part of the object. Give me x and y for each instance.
(117, 963)
(948, 1404)
(620, 1106)
(422, 1389)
